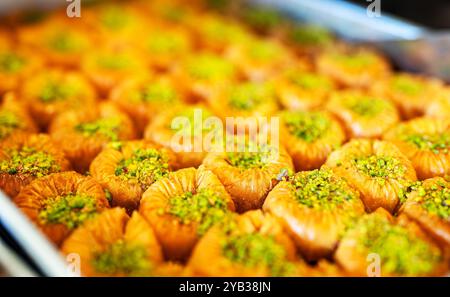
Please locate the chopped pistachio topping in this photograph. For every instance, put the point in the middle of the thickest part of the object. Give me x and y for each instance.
(217, 30)
(359, 60)
(57, 90)
(70, 210)
(104, 127)
(247, 96)
(311, 35)
(256, 250)
(264, 50)
(210, 67)
(407, 85)
(164, 42)
(66, 42)
(158, 92)
(435, 199)
(366, 106)
(204, 207)
(8, 123)
(194, 124)
(380, 167)
(115, 18)
(401, 251)
(122, 258)
(145, 166)
(11, 62)
(248, 160)
(308, 126)
(437, 143)
(318, 189)
(115, 61)
(310, 81)
(28, 160)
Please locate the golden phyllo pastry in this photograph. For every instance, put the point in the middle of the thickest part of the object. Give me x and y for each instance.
(310, 136)
(54, 91)
(426, 142)
(127, 169)
(428, 205)
(303, 90)
(377, 169)
(439, 107)
(358, 68)
(412, 94)
(252, 244)
(14, 118)
(113, 244)
(315, 207)
(82, 134)
(183, 129)
(60, 202)
(379, 246)
(249, 172)
(363, 115)
(25, 157)
(143, 98)
(183, 207)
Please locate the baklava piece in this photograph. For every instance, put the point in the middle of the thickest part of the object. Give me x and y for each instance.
(83, 134)
(127, 169)
(25, 157)
(60, 202)
(183, 207)
(14, 118)
(377, 169)
(315, 207)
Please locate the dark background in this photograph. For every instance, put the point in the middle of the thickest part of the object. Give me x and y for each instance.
(431, 13)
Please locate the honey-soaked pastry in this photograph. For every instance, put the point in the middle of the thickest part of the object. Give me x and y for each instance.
(248, 100)
(315, 207)
(182, 207)
(113, 244)
(364, 115)
(249, 172)
(309, 137)
(58, 40)
(127, 169)
(428, 205)
(25, 157)
(183, 129)
(60, 202)
(303, 89)
(16, 64)
(252, 244)
(426, 142)
(412, 94)
(54, 91)
(439, 107)
(108, 66)
(203, 75)
(83, 134)
(355, 68)
(377, 169)
(378, 240)
(142, 98)
(14, 118)
(260, 59)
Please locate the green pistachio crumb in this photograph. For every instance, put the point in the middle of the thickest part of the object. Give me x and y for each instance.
(210, 67)
(123, 258)
(105, 127)
(256, 250)
(70, 210)
(248, 96)
(308, 126)
(11, 62)
(57, 90)
(204, 207)
(145, 166)
(8, 123)
(28, 160)
(65, 42)
(380, 167)
(311, 36)
(158, 92)
(435, 199)
(310, 81)
(366, 106)
(407, 85)
(436, 143)
(319, 189)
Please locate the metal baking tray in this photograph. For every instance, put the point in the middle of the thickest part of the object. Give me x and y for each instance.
(24, 251)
